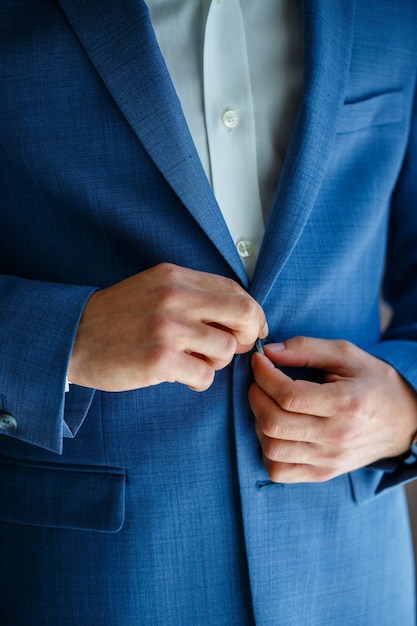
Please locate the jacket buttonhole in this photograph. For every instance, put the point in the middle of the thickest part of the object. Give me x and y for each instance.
(261, 484)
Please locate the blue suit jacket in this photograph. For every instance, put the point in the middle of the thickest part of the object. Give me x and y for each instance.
(153, 506)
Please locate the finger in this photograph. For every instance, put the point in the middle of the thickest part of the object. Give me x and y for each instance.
(191, 370)
(287, 451)
(276, 423)
(291, 473)
(238, 313)
(191, 354)
(326, 456)
(169, 342)
(301, 396)
(216, 345)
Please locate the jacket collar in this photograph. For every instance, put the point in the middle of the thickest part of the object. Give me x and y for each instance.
(137, 77)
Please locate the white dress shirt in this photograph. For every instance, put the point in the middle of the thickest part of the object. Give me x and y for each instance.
(237, 68)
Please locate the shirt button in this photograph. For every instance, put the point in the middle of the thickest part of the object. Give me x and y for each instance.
(244, 248)
(230, 118)
(8, 423)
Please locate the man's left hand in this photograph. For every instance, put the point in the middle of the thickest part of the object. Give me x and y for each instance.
(309, 432)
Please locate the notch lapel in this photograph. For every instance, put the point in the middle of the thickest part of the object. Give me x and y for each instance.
(119, 39)
(328, 33)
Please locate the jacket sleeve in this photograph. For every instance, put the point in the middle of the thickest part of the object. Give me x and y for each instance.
(399, 342)
(38, 323)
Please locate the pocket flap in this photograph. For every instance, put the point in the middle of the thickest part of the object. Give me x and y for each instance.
(62, 496)
(385, 108)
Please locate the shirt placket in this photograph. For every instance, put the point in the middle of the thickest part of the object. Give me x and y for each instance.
(230, 128)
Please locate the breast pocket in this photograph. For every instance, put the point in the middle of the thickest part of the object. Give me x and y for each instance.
(379, 110)
(62, 496)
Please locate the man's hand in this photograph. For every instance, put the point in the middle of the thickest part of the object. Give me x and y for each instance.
(167, 324)
(310, 432)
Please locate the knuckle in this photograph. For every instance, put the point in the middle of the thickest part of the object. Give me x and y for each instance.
(353, 405)
(341, 437)
(169, 296)
(346, 348)
(343, 445)
(162, 333)
(168, 270)
(334, 460)
(170, 286)
(249, 307)
(205, 377)
(289, 400)
(275, 471)
(248, 312)
(265, 421)
(356, 408)
(270, 428)
(228, 347)
(232, 286)
(324, 474)
(271, 449)
(300, 342)
(275, 475)
(274, 428)
(337, 463)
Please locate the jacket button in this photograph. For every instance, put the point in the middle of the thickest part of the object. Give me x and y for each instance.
(8, 423)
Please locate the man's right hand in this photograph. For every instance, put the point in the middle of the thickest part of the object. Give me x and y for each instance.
(166, 324)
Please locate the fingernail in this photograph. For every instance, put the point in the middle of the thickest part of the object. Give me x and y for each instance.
(276, 347)
(263, 358)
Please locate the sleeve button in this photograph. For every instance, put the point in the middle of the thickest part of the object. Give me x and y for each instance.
(8, 423)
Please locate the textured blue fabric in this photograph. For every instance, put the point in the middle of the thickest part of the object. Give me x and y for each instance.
(153, 506)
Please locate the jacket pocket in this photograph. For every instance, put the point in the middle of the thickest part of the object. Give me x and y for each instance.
(384, 108)
(62, 496)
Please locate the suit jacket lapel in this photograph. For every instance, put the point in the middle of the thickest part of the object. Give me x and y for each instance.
(328, 29)
(119, 39)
